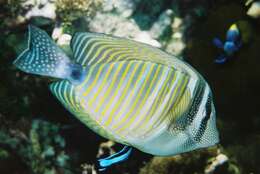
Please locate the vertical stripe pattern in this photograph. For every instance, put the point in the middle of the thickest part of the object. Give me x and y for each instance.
(92, 48)
(66, 94)
(130, 97)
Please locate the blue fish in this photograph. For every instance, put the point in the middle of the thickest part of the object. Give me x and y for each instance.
(232, 44)
(126, 91)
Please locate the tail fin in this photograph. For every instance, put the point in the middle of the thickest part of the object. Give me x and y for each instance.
(42, 56)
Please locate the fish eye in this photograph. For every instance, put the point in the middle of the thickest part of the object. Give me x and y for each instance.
(75, 73)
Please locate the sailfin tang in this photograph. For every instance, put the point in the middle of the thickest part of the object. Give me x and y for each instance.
(42, 56)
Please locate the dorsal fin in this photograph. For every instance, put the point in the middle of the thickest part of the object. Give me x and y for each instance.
(93, 48)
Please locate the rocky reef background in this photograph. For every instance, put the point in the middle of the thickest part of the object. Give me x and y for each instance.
(37, 135)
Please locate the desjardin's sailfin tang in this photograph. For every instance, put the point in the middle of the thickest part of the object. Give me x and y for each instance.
(43, 56)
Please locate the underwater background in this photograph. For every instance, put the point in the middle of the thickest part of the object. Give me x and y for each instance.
(39, 136)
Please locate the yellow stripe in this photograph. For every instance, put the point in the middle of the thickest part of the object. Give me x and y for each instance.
(96, 43)
(74, 107)
(72, 100)
(60, 94)
(116, 51)
(181, 91)
(138, 98)
(161, 96)
(66, 97)
(93, 84)
(149, 89)
(82, 52)
(157, 100)
(132, 107)
(101, 47)
(104, 81)
(116, 93)
(81, 87)
(109, 90)
(125, 91)
(158, 122)
(89, 74)
(100, 43)
(129, 49)
(182, 106)
(102, 100)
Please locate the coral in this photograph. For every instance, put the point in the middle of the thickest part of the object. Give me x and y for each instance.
(254, 10)
(42, 150)
(110, 23)
(147, 11)
(17, 12)
(3, 153)
(88, 169)
(45, 147)
(209, 161)
(9, 11)
(162, 24)
(39, 8)
(106, 147)
(246, 154)
(69, 11)
(124, 8)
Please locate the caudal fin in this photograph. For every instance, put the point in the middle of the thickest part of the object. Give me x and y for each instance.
(43, 56)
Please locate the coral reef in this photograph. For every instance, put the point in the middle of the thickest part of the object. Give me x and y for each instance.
(69, 11)
(42, 150)
(207, 161)
(254, 10)
(38, 136)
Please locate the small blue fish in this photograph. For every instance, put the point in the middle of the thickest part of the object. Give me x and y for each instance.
(230, 46)
(126, 91)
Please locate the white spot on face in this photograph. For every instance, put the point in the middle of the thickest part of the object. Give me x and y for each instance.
(62, 69)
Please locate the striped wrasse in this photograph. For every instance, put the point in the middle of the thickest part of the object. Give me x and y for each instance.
(127, 91)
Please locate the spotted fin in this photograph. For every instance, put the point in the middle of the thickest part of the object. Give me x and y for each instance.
(93, 48)
(42, 56)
